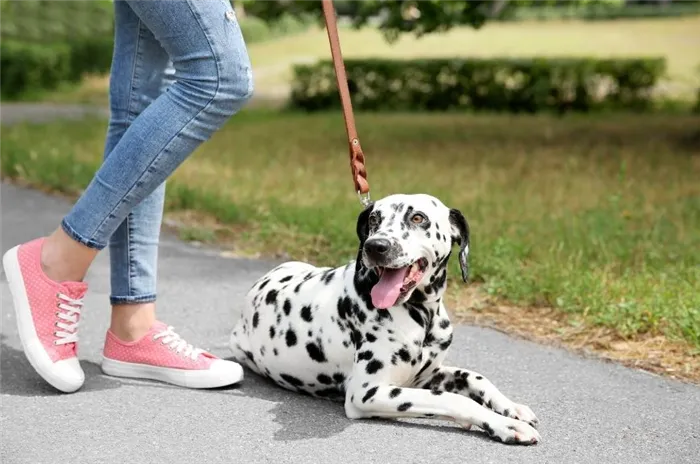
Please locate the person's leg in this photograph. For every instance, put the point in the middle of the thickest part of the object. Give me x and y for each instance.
(141, 73)
(213, 80)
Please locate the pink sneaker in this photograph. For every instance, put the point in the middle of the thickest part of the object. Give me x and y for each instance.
(47, 314)
(162, 355)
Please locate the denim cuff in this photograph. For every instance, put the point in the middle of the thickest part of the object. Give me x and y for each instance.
(75, 236)
(120, 300)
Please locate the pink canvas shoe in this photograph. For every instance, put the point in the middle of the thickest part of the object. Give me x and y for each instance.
(47, 314)
(162, 355)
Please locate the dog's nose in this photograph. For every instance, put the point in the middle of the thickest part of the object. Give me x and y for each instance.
(377, 246)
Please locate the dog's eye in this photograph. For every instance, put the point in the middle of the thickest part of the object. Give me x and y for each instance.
(418, 218)
(373, 221)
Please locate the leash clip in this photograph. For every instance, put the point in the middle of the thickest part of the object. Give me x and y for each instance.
(364, 199)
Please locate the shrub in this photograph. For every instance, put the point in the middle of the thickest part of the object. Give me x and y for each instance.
(32, 67)
(28, 68)
(498, 84)
(91, 56)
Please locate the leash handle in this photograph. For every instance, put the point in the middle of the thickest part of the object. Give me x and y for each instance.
(357, 157)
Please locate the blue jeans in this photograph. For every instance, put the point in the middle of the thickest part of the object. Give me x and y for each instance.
(180, 70)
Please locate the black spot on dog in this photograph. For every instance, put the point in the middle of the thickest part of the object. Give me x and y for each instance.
(370, 393)
(461, 382)
(404, 406)
(404, 355)
(371, 338)
(394, 392)
(344, 307)
(488, 429)
(306, 313)
(445, 323)
(249, 355)
(365, 355)
(356, 338)
(315, 351)
(287, 307)
(298, 287)
(291, 337)
(272, 331)
(374, 366)
(476, 398)
(263, 284)
(275, 352)
(271, 296)
(324, 379)
(435, 391)
(438, 236)
(405, 235)
(449, 386)
(416, 316)
(446, 344)
(285, 279)
(290, 379)
(256, 320)
(331, 393)
(339, 377)
(424, 368)
(478, 377)
(327, 277)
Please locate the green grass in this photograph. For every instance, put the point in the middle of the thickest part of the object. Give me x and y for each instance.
(599, 217)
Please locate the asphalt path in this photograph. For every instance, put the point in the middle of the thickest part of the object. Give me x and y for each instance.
(590, 411)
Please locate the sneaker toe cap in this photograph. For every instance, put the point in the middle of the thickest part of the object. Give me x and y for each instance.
(68, 376)
(229, 371)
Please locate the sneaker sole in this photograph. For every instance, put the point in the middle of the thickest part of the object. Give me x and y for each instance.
(31, 345)
(179, 377)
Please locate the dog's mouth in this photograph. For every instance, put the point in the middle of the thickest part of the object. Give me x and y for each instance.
(395, 283)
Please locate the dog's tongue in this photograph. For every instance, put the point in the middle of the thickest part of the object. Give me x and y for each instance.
(386, 291)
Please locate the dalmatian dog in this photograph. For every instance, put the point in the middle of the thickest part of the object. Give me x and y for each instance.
(374, 333)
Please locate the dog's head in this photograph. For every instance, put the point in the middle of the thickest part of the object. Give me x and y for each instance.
(407, 240)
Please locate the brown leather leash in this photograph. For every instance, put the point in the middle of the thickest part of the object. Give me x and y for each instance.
(357, 157)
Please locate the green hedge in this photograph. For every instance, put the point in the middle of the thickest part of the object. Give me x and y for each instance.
(499, 84)
(27, 68)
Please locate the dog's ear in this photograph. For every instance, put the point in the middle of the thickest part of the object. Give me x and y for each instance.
(460, 235)
(363, 223)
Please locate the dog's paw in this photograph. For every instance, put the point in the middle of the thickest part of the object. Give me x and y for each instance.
(525, 414)
(512, 431)
(519, 412)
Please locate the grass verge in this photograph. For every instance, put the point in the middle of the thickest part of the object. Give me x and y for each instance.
(596, 219)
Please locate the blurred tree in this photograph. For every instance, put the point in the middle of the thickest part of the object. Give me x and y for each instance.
(394, 17)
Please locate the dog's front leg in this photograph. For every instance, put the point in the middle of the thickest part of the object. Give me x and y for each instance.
(380, 400)
(480, 389)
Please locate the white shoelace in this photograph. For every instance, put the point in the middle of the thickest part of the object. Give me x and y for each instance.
(175, 342)
(67, 319)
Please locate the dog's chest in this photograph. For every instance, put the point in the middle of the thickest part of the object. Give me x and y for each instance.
(414, 341)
